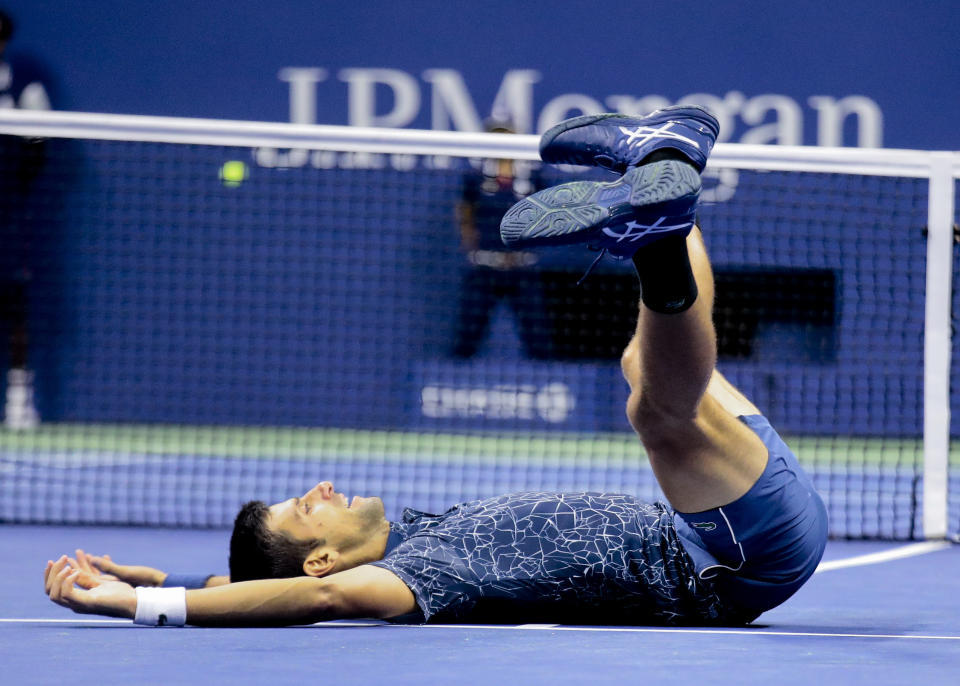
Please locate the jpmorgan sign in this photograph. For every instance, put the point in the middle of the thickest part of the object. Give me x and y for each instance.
(395, 98)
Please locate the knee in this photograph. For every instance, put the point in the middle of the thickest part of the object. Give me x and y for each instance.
(658, 427)
(641, 415)
(630, 363)
(645, 419)
(634, 412)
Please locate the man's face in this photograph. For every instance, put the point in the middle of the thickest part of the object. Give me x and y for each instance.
(323, 513)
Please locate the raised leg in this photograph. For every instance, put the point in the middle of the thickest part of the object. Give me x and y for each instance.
(684, 411)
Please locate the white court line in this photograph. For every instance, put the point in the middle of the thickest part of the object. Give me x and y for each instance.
(884, 556)
(45, 620)
(65, 621)
(650, 630)
(544, 627)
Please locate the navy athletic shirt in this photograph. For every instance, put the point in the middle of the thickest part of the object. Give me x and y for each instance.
(578, 558)
(612, 559)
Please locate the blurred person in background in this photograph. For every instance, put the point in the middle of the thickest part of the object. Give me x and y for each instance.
(492, 272)
(21, 161)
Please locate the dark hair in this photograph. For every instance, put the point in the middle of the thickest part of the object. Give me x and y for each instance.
(498, 125)
(256, 552)
(6, 26)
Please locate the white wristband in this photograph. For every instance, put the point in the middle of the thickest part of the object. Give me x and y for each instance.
(161, 606)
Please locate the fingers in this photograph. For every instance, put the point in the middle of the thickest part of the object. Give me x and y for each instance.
(76, 564)
(68, 577)
(96, 566)
(102, 562)
(87, 580)
(83, 561)
(59, 580)
(78, 568)
(91, 576)
(50, 574)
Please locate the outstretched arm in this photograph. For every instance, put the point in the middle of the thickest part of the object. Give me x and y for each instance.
(106, 569)
(364, 591)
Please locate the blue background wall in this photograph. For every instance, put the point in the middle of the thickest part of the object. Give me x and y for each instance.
(222, 59)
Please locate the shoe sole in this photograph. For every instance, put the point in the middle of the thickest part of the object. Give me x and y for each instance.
(578, 212)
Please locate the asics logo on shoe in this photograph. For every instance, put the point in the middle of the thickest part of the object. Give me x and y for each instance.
(642, 134)
(634, 231)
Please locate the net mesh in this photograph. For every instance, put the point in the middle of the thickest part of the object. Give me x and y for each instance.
(200, 336)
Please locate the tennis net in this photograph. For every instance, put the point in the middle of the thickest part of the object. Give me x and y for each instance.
(222, 311)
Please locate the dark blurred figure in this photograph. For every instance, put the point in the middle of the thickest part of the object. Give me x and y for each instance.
(21, 160)
(494, 273)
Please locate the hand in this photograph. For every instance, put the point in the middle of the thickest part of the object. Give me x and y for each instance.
(94, 595)
(105, 569)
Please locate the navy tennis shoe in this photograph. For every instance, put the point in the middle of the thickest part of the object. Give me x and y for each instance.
(644, 205)
(618, 142)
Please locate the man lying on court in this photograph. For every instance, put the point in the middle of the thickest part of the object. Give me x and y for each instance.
(746, 527)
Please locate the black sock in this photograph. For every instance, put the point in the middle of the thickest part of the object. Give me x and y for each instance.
(666, 278)
(665, 154)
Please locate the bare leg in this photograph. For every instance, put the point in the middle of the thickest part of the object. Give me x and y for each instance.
(684, 411)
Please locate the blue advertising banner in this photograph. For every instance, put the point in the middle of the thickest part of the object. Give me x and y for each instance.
(516, 395)
(856, 73)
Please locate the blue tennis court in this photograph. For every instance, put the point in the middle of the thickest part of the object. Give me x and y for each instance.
(883, 619)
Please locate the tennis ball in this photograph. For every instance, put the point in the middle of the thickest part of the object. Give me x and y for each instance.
(233, 173)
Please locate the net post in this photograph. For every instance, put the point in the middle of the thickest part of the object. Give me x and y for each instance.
(937, 346)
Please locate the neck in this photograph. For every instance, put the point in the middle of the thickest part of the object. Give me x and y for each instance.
(371, 550)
